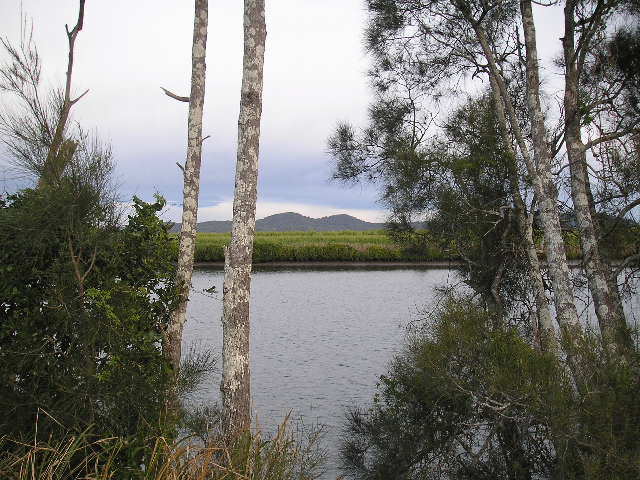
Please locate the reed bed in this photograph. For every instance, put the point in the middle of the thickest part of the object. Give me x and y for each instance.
(344, 246)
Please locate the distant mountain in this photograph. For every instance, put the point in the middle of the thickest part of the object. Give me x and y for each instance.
(290, 222)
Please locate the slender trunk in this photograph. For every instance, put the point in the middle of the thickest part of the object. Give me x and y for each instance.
(545, 333)
(61, 152)
(235, 386)
(542, 179)
(191, 189)
(546, 190)
(612, 324)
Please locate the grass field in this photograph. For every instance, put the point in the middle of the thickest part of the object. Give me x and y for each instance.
(346, 246)
(367, 246)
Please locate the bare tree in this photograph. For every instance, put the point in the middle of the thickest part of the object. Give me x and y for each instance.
(191, 189)
(235, 386)
(60, 150)
(36, 136)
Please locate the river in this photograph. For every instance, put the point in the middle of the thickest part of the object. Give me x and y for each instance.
(320, 337)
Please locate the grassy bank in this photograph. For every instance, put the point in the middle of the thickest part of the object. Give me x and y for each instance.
(347, 246)
(367, 246)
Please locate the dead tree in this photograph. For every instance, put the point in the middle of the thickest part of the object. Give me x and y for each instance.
(61, 150)
(235, 387)
(191, 176)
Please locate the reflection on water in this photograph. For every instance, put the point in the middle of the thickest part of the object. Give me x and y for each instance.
(320, 337)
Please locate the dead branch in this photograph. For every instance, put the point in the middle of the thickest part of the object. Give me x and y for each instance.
(174, 96)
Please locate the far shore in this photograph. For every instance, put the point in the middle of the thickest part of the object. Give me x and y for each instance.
(574, 263)
(433, 264)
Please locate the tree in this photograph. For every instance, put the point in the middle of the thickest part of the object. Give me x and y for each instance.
(38, 136)
(191, 177)
(85, 300)
(235, 386)
(422, 49)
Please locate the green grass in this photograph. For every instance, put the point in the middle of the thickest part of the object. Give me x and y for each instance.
(345, 246)
(367, 246)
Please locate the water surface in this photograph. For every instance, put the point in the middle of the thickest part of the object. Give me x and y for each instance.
(319, 338)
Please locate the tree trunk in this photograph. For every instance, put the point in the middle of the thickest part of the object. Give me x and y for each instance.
(541, 177)
(191, 189)
(235, 386)
(546, 190)
(612, 324)
(545, 332)
(60, 151)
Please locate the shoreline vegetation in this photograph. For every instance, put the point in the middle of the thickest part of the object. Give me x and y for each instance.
(368, 248)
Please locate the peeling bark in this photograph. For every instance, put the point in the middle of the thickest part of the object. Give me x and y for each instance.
(191, 189)
(606, 302)
(236, 386)
(546, 191)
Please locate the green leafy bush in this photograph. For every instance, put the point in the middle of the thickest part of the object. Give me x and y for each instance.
(84, 302)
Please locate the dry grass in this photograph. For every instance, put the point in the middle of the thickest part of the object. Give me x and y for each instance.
(284, 456)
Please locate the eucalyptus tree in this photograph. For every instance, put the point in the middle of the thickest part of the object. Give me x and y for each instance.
(191, 178)
(426, 52)
(423, 50)
(235, 386)
(595, 108)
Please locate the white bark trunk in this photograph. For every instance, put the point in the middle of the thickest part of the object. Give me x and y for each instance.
(545, 331)
(544, 184)
(612, 323)
(191, 189)
(542, 180)
(235, 386)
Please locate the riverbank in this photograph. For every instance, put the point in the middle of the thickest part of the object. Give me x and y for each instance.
(372, 248)
(435, 264)
(338, 265)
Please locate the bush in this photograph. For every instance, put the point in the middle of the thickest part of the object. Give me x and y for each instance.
(471, 399)
(84, 305)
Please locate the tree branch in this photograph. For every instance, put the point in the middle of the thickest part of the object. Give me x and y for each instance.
(73, 102)
(174, 96)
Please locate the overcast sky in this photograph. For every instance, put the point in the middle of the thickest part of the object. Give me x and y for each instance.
(315, 70)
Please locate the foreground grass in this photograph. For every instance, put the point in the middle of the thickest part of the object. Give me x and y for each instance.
(285, 455)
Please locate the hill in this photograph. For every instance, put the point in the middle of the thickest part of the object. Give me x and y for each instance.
(293, 222)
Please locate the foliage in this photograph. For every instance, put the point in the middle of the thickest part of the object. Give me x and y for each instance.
(469, 398)
(84, 304)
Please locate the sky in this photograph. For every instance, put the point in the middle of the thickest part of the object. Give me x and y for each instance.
(315, 77)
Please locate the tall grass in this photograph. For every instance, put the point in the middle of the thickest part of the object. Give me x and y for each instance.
(287, 455)
(345, 246)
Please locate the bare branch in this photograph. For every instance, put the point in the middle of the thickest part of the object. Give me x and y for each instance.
(73, 102)
(174, 96)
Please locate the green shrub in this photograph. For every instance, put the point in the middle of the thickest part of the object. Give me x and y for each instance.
(470, 398)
